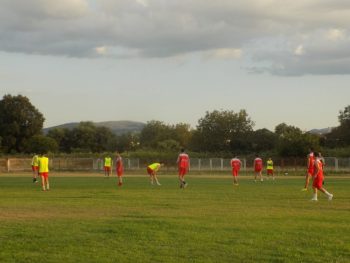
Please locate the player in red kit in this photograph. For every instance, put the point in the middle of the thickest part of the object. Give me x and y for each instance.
(236, 166)
(183, 162)
(318, 178)
(310, 169)
(119, 169)
(258, 166)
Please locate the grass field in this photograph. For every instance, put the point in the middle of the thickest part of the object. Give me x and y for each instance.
(90, 219)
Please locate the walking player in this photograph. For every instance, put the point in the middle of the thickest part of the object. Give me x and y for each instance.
(44, 172)
(183, 165)
(318, 179)
(269, 169)
(119, 169)
(258, 166)
(236, 166)
(310, 169)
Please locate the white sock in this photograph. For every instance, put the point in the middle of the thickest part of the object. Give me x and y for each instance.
(314, 196)
(328, 194)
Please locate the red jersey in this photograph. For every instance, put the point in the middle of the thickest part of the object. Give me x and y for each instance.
(183, 160)
(310, 163)
(119, 166)
(236, 164)
(258, 164)
(318, 174)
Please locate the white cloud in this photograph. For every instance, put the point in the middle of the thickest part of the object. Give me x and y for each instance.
(102, 50)
(336, 34)
(224, 53)
(157, 28)
(299, 50)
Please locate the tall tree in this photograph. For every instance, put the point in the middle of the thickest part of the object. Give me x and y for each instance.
(221, 131)
(340, 136)
(19, 121)
(293, 142)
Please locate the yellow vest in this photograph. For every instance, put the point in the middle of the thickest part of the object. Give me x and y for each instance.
(108, 161)
(43, 165)
(154, 166)
(269, 165)
(35, 160)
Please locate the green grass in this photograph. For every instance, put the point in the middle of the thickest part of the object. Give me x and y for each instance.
(90, 219)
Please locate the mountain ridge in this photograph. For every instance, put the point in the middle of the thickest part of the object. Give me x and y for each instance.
(117, 127)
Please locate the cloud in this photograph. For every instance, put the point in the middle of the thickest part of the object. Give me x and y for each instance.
(286, 38)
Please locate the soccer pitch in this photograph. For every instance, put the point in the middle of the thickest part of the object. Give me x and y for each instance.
(91, 219)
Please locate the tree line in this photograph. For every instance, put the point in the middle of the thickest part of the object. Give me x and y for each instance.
(218, 131)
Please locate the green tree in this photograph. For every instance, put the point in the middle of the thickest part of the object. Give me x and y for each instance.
(19, 121)
(62, 136)
(293, 142)
(41, 144)
(221, 131)
(263, 140)
(154, 132)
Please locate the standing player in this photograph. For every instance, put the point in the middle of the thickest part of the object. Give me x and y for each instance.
(269, 169)
(35, 167)
(318, 179)
(310, 168)
(236, 166)
(152, 170)
(107, 166)
(119, 169)
(44, 172)
(258, 166)
(183, 165)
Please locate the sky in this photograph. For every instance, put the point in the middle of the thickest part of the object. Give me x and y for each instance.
(142, 60)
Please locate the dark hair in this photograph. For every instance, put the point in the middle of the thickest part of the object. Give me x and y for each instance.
(182, 150)
(316, 154)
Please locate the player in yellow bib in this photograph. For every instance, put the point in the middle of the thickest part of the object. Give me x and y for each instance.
(152, 170)
(107, 165)
(269, 169)
(35, 167)
(44, 172)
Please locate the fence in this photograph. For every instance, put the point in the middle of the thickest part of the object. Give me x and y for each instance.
(281, 165)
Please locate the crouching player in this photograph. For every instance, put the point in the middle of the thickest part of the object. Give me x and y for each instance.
(44, 172)
(119, 169)
(236, 166)
(318, 178)
(152, 170)
(183, 165)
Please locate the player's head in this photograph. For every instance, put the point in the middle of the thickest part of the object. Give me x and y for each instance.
(182, 150)
(316, 154)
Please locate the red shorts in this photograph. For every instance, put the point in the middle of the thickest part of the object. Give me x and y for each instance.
(318, 182)
(120, 172)
(235, 172)
(270, 171)
(310, 171)
(107, 168)
(150, 171)
(35, 168)
(258, 170)
(45, 175)
(182, 171)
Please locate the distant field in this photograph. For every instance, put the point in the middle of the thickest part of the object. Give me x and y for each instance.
(90, 219)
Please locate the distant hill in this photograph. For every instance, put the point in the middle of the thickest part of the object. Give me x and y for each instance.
(321, 131)
(117, 127)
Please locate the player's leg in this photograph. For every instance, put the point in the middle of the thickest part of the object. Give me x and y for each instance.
(47, 182)
(314, 196)
(43, 182)
(307, 181)
(156, 179)
(329, 195)
(260, 175)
